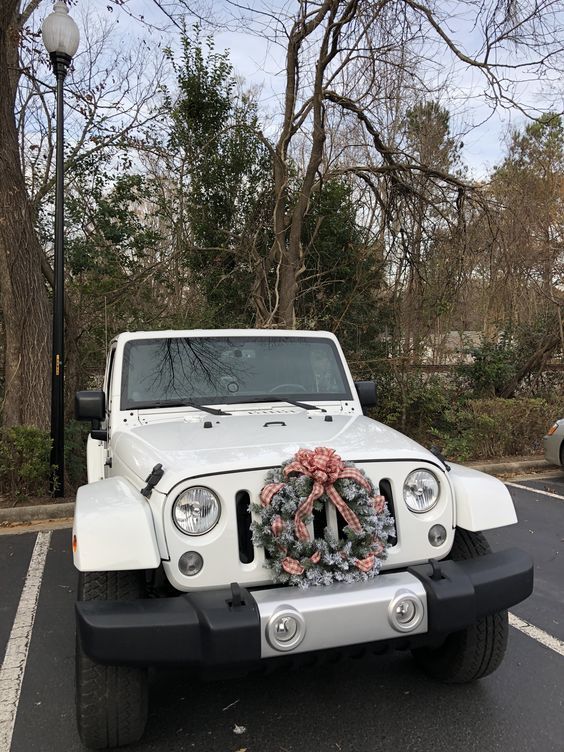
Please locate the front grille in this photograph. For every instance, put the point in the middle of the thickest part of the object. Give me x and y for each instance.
(321, 520)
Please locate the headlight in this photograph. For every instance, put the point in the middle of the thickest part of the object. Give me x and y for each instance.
(421, 491)
(196, 510)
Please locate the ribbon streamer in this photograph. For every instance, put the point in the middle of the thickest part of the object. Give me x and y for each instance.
(325, 467)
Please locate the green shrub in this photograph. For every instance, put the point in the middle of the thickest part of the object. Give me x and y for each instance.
(487, 428)
(24, 461)
(25, 467)
(413, 403)
(493, 366)
(435, 411)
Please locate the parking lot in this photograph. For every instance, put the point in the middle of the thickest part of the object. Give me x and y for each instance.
(375, 703)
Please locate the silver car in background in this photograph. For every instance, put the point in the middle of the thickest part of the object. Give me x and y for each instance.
(554, 443)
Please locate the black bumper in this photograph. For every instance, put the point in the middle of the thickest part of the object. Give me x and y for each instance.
(215, 629)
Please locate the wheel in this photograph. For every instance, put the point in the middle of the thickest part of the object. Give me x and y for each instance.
(111, 701)
(280, 387)
(477, 650)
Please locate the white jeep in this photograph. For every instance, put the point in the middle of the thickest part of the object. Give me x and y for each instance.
(184, 434)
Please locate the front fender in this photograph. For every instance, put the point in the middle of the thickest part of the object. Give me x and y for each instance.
(482, 501)
(113, 528)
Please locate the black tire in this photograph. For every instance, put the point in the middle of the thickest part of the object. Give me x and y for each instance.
(477, 650)
(111, 701)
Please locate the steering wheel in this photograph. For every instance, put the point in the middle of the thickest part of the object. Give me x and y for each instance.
(282, 387)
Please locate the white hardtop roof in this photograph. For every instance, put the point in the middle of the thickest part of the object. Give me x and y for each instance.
(126, 336)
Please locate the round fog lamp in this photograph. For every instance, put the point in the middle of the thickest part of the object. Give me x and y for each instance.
(190, 563)
(437, 535)
(285, 629)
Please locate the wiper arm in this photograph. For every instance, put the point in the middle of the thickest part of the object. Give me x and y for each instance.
(256, 400)
(185, 403)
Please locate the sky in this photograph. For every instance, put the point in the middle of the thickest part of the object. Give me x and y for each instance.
(484, 131)
(259, 62)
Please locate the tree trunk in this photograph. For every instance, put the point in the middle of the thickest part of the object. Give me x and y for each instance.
(23, 295)
(534, 364)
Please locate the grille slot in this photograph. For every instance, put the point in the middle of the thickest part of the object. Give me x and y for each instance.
(244, 535)
(319, 522)
(386, 491)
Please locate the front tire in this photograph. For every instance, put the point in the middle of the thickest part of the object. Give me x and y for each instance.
(111, 701)
(479, 649)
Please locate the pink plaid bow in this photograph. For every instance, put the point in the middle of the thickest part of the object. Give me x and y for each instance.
(325, 467)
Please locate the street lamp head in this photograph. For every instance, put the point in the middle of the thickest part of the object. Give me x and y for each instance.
(60, 32)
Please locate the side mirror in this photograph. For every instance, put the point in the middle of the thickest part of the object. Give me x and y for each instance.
(366, 391)
(92, 406)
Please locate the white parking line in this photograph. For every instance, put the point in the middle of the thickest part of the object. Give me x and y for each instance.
(537, 634)
(536, 490)
(13, 667)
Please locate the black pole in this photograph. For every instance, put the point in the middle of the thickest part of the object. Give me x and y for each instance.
(60, 65)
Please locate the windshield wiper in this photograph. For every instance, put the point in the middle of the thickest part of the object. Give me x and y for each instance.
(184, 403)
(255, 400)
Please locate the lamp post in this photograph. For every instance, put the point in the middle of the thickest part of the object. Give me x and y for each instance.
(60, 37)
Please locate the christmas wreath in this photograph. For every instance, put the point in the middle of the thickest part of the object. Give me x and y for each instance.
(302, 485)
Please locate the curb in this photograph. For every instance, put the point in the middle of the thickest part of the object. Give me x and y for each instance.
(504, 468)
(43, 512)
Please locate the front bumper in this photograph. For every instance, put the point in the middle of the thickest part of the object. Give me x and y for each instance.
(235, 627)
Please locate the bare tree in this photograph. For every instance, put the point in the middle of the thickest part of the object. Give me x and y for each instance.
(111, 101)
(339, 56)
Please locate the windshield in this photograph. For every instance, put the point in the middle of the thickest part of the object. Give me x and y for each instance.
(220, 370)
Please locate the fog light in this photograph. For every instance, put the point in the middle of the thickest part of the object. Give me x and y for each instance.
(405, 611)
(285, 629)
(437, 535)
(190, 563)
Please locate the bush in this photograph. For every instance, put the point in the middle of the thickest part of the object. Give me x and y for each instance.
(493, 366)
(434, 411)
(487, 428)
(413, 403)
(25, 468)
(24, 461)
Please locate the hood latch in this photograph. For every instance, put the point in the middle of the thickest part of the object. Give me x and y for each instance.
(154, 477)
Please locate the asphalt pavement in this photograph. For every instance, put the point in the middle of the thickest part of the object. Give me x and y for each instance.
(366, 705)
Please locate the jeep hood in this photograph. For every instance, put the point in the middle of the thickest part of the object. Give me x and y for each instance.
(186, 447)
